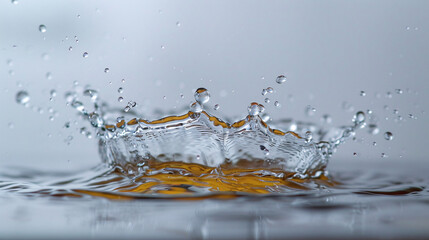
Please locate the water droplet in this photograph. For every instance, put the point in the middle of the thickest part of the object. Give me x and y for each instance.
(216, 107)
(281, 79)
(359, 119)
(310, 111)
(362, 93)
(127, 109)
(255, 109)
(93, 94)
(326, 118)
(398, 91)
(123, 80)
(267, 100)
(202, 95)
(383, 155)
(270, 90)
(78, 106)
(85, 54)
(53, 93)
(164, 97)
(389, 95)
(373, 129)
(277, 104)
(70, 48)
(11, 72)
(395, 111)
(120, 90)
(374, 144)
(14, 2)
(42, 28)
(196, 107)
(178, 24)
(388, 136)
(67, 124)
(51, 118)
(48, 75)
(11, 125)
(106, 70)
(308, 136)
(22, 97)
(132, 104)
(95, 120)
(264, 92)
(412, 116)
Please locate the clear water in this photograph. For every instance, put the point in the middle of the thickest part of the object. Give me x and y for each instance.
(215, 168)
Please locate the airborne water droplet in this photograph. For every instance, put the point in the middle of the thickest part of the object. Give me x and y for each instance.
(281, 79)
(277, 104)
(216, 107)
(362, 93)
(270, 90)
(106, 70)
(14, 2)
(267, 100)
(22, 97)
(388, 136)
(42, 28)
(85, 55)
(202, 95)
(120, 90)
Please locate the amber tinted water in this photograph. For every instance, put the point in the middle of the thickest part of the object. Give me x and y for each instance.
(356, 200)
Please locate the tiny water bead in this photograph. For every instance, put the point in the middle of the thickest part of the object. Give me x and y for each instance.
(255, 109)
(216, 107)
(202, 95)
(42, 28)
(359, 119)
(398, 91)
(106, 70)
(310, 111)
(270, 90)
(277, 104)
(308, 136)
(362, 93)
(85, 54)
(14, 2)
(120, 90)
(281, 79)
(70, 48)
(264, 92)
(388, 136)
(22, 97)
(267, 100)
(93, 94)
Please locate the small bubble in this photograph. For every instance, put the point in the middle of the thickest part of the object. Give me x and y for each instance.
(164, 97)
(70, 48)
(388, 136)
(120, 90)
(398, 91)
(182, 96)
(267, 100)
(264, 92)
(373, 129)
(411, 116)
(48, 75)
(22, 97)
(202, 95)
(374, 144)
(281, 79)
(123, 80)
(178, 24)
(383, 155)
(42, 28)
(277, 104)
(67, 124)
(14, 2)
(270, 90)
(106, 70)
(127, 109)
(216, 107)
(85, 54)
(362, 93)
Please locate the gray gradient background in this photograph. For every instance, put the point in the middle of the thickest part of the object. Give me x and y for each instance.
(329, 50)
